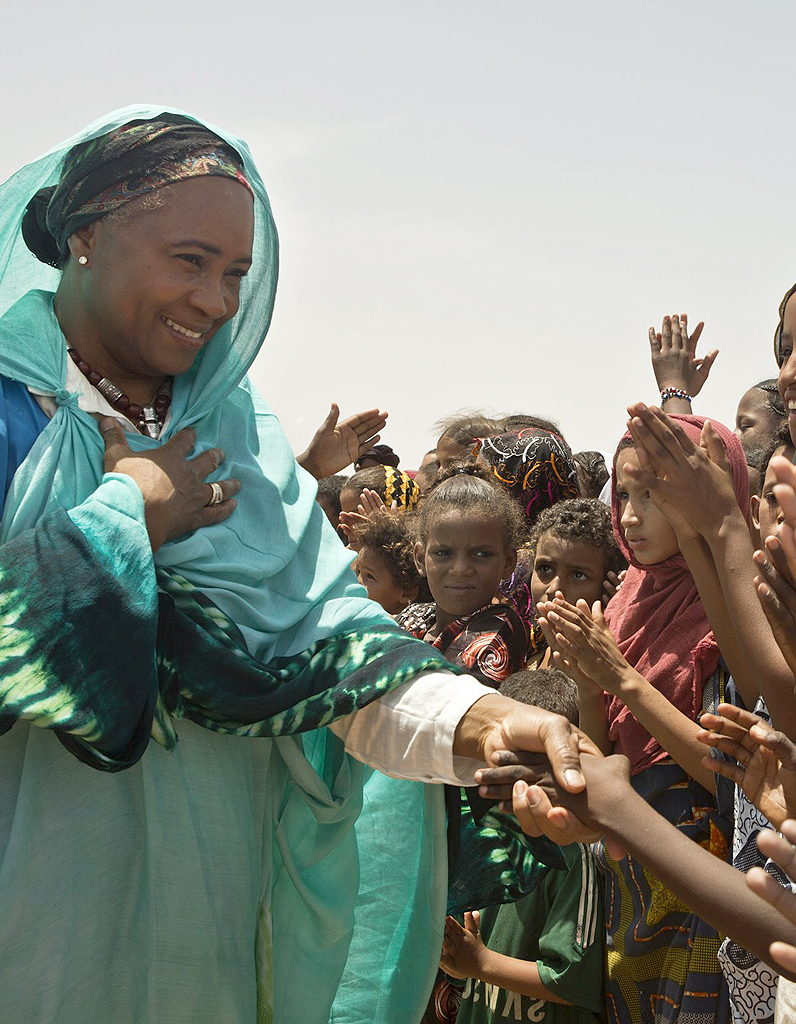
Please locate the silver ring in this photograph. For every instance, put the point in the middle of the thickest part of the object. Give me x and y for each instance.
(218, 494)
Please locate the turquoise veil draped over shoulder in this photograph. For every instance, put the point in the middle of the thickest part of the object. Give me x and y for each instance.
(274, 566)
(277, 571)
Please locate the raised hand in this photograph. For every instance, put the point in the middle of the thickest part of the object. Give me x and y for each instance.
(776, 593)
(674, 359)
(781, 851)
(370, 502)
(581, 636)
(612, 584)
(176, 498)
(688, 482)
(766, 759)
(338, 444)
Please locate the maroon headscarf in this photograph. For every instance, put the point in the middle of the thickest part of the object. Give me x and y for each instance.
(660, 623)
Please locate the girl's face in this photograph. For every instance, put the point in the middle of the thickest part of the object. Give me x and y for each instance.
(464, 559)
(766, 513)
(648, 532)
(787, 369)
(375, 577)
(574, 567)
(755, 420)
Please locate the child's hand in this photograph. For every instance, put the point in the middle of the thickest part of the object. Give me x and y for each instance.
(370, 501)
(785, 488)
(348, 521)
(463, 949)
(766, 768)
(583, 637)
(612, 584)
(781, 899)
(777, 595)
(674, 360)
(496, 782)
(690, 483)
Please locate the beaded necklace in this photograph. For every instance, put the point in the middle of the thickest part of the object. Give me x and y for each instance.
(148, 418)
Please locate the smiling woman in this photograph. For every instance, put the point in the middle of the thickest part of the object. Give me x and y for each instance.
(206, 869)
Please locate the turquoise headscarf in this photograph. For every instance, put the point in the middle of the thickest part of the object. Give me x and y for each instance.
(275, 566)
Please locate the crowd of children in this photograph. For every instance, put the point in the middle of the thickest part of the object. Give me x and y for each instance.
(650, 598)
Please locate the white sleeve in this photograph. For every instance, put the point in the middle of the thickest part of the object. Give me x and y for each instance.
(408, 733)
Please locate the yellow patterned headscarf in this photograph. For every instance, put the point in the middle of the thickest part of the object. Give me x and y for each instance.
(399, 487)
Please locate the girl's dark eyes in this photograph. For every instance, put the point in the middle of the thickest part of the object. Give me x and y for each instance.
(771, 498)
(578, 574)
(622, 495)
(543, 569)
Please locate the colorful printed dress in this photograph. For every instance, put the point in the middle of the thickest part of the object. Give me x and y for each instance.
(662, 960)
(491, 643)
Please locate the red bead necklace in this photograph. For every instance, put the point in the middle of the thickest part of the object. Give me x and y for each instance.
(148, 418)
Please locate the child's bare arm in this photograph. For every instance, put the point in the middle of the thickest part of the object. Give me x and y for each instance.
(465, 955)
(585, 639)
(712, 888)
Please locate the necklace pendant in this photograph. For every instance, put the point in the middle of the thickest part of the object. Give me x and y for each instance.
(149, 421)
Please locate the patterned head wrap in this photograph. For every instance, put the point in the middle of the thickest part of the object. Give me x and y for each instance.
(105, 173)
(399, 487)
(536, 466)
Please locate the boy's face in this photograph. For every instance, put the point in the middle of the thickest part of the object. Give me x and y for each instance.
(766, 513)
(574, 567)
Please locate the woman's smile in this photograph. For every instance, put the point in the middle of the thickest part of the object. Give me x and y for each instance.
(194, 340)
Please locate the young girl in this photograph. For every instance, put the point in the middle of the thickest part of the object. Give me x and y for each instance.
(468, 532)
(641, 691)
(385, 563)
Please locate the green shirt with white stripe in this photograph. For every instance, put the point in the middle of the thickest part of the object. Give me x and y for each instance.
(561, 926)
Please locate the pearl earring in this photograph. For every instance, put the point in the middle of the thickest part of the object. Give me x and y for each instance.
(82, 260)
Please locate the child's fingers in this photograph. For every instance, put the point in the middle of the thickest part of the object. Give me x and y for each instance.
(470, 923)
(734, 772)
(784, 954)
(769, 889)
(780, 850)
(775, 741)
(730, 713)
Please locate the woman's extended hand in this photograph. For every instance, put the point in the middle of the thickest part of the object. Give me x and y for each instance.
(674, 358)
(338, 444)
(496, 723)
(175, 495)
(766, 759)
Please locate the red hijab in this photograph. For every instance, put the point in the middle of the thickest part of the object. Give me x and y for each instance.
(660, 624)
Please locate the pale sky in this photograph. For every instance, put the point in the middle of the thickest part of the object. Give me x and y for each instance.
(479, 205)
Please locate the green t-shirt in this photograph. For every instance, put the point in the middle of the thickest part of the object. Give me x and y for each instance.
(561, 926)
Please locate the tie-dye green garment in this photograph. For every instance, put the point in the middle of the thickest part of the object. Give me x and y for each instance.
(205, 795)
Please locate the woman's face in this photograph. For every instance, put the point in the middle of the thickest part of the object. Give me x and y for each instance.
(160, 281)
(648, 532)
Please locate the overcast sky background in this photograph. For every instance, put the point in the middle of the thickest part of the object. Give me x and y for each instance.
(479, 205)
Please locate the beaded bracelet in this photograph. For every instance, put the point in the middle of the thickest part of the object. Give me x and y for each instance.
(675, 393)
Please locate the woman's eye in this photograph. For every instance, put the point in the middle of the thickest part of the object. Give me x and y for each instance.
(622, 495)
(239, 274)
(190, 257)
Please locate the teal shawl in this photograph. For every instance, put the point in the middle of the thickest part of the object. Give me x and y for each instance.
(254, 627)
